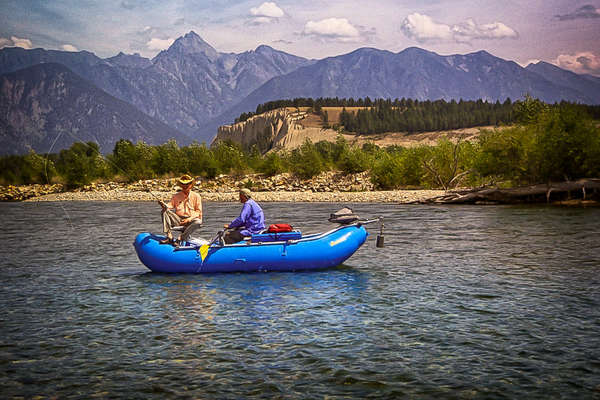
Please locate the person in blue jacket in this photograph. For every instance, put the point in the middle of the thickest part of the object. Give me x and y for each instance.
(251, 219)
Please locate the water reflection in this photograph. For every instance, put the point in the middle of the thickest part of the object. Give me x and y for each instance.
(257, 305)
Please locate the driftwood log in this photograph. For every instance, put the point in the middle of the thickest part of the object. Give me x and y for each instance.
(586, 190)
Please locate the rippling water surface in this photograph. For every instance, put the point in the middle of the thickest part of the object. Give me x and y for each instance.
(463, 302)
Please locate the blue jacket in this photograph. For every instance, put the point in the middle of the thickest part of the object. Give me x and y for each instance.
(251, 218)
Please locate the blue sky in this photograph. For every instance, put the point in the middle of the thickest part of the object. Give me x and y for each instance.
(566, 33)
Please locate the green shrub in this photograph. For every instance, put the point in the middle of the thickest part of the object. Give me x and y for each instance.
(229, 157)
(30, 168)
(132, 160)
(168, 158)
(410, 166)
(386, 172)
(81, 164)
(561, 143)
(273, 164)
(354, 160)
(567, 145)
(200, 160)
(306, 161)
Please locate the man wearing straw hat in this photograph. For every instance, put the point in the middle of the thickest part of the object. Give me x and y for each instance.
(183, 212)
(251, 219)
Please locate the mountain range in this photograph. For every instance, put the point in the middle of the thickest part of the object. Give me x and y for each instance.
(191, 88)
(419, 74)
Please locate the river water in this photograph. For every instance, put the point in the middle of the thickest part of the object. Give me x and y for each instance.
(463, 302)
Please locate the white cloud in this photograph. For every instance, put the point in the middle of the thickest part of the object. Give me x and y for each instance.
(20, 42)
(15, 42)
(581, 63)
(261, 20)
(159, 44)
(339, 29)
(530, 61)
(266, 13)
(69, 47)
(423, 28)
(469, 30)
(268, 9)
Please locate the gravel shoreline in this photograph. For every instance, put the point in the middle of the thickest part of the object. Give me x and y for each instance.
(329, 186)
(392, 196)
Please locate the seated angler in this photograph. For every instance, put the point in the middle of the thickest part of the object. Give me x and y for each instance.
(183, 212)
(251, 219)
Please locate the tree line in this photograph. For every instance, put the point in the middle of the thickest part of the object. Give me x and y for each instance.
(546, 143)
(408, 115)
(423, 116)
(315, 104)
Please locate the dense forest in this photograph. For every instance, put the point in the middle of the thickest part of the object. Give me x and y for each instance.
(414, 116)
(407, 115)
(546, 143)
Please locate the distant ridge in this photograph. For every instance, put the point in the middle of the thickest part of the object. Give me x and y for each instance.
(418, 74)
(587, 84)
(47, 107)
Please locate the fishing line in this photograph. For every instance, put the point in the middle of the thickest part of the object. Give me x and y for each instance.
(78, 140)
(48, 179)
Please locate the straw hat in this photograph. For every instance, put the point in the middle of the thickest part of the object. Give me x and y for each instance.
(246, 192)
(185, 180)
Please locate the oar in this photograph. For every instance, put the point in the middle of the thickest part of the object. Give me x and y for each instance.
(204, 248)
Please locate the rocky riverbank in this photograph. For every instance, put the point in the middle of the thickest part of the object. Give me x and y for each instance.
(326, 187)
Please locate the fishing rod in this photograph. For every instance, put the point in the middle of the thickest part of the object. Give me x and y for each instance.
(203, 249)
(114, 164)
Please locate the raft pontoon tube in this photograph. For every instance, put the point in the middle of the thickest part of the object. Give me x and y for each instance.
(265, 252)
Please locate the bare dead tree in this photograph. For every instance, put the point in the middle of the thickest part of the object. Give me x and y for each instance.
(453, 178)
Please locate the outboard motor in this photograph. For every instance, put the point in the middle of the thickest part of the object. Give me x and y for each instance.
(346, 216)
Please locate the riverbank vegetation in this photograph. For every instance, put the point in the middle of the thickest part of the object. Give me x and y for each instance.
(547, 143)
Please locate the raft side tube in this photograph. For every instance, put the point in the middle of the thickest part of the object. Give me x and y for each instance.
(315, 251)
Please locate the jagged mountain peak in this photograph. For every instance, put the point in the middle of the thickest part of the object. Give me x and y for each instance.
(129, 60)
(192, 43)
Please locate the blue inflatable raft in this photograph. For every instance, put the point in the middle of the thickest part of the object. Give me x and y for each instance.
(288, 251)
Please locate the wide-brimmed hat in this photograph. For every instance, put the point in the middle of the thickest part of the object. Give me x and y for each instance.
(185, 180)
(246, 192)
